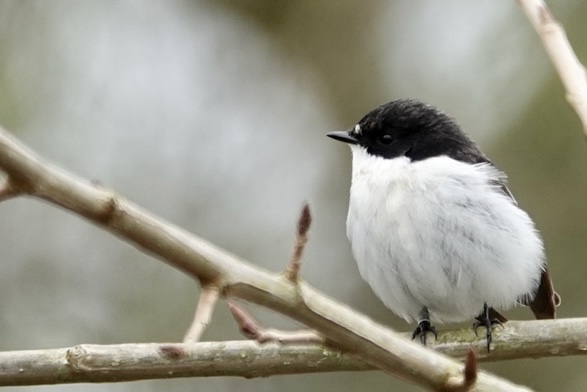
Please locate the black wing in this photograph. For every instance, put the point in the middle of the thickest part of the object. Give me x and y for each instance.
(545, 300)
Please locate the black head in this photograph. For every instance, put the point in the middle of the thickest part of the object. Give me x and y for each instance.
(412, 129)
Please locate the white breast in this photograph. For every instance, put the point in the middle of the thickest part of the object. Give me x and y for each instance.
(438, 233)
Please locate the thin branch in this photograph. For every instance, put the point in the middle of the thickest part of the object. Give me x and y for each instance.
(208, 299)
(293, 268)
(251, 329)
(568, 66)
(349, 330)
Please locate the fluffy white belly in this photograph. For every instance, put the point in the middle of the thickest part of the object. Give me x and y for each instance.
(436, 233)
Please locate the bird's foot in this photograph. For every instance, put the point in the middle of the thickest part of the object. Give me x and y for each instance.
(488, 320)
(422, 329)
(424, 326)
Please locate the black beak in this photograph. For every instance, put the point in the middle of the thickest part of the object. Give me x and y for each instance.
(343, 136)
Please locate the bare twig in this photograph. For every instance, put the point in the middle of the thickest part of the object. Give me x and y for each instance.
(470, 370)
(349, 330)
(469, 377)
(251, 329)
(568, 66)
(208, 299)
(293, 268)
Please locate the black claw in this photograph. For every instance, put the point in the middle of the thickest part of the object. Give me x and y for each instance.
(486, 320)
(424, 327)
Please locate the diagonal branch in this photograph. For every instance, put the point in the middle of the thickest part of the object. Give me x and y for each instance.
(556, 43)
(349, 330)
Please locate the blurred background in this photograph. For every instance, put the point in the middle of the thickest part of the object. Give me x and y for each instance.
(213, 114)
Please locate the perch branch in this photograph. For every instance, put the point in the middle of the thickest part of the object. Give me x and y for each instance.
(517, 340)
(246, 358)
(556, 43)
(130, 362)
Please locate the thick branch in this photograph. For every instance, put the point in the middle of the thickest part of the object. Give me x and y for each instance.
(129, 362)
(568, 66)
(244, 358)
(200, 259)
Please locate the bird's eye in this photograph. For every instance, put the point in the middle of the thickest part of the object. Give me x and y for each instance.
(385, 139)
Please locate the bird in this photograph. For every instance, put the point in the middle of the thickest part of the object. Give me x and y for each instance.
(433, 227)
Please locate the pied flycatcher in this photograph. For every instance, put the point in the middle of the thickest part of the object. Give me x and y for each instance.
(434, 229)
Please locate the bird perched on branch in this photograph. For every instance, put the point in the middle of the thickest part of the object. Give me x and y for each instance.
(433, 227)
